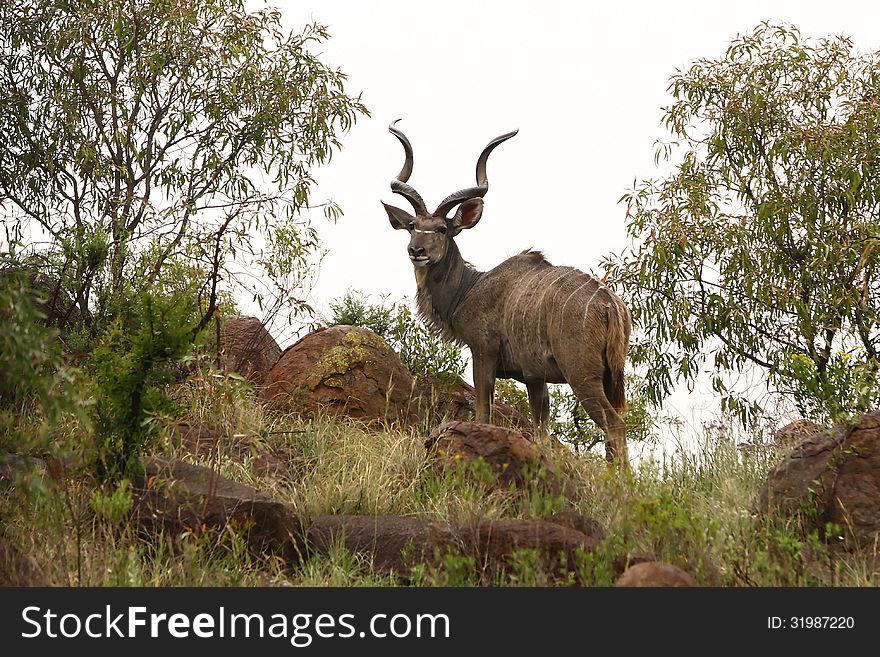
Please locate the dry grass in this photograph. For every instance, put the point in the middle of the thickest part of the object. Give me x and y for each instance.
(697, 513)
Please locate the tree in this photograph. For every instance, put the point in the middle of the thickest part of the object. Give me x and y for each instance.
(139, 134)
(760, 248)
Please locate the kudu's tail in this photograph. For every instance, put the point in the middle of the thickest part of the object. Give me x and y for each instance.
(616, 347)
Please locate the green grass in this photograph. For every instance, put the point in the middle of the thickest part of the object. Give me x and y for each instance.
(697, 512)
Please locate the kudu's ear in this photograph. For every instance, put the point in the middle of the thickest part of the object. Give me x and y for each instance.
(467, 215)
(400, 219)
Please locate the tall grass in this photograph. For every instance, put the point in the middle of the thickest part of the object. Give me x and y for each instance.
(696, 510)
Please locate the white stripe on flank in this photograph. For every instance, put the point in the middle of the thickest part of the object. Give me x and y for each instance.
(538, 284)
(587, 309)
(570, 296)
(522, 290)
(550, 286)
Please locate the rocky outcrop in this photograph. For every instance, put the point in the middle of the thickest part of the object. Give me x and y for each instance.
(342, 370)
(493, 542)
(655, 573)
(389, 543)
(178, 497)
(395, 544)
(512, 458)
(246, 347)
(832, 476)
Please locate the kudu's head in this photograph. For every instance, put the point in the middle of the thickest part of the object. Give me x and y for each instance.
(431, 232)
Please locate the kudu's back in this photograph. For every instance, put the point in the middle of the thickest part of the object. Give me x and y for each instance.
(555, 324)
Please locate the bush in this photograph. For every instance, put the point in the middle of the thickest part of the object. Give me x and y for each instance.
(37, 387)
(130, 366)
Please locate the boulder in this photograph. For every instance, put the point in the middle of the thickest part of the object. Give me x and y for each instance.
(655, 573)
(391, 543)
(395, 544)
(579, 522)
(795, 432)
(342, 370)
(457, 400)
(512, 458)
(832, 476)
(493, 542)
(247, 347)
(179, 497)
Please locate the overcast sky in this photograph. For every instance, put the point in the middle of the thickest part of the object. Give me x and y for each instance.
(584, 84)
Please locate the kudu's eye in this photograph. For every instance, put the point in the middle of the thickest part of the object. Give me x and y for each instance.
(412, 225)
(442, 230)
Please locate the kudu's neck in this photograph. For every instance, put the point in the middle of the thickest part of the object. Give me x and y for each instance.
(442, 288)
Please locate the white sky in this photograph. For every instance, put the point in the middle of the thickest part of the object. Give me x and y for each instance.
(584, 84)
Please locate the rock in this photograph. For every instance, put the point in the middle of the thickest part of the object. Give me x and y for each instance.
(832, 476)
(395, 544)
(579, 522)
(180, 497)
(444, 401)
(655, 573)
(794, 432)
(391, 543)
(247, 347)
(493, 542)
(512, 457)
(342, 370)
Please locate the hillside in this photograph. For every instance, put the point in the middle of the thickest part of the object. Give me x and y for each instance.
(699, 513)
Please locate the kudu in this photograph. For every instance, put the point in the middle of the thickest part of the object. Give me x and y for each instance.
(525, 319)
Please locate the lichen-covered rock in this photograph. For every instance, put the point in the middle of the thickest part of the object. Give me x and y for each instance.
(832, 476)
(512, 458)
(247, 347)
(655, 573)
(343, 370)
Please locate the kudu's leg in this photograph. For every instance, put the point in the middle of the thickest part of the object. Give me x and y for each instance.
(539, 403)
(591, 394)
(484, 385)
